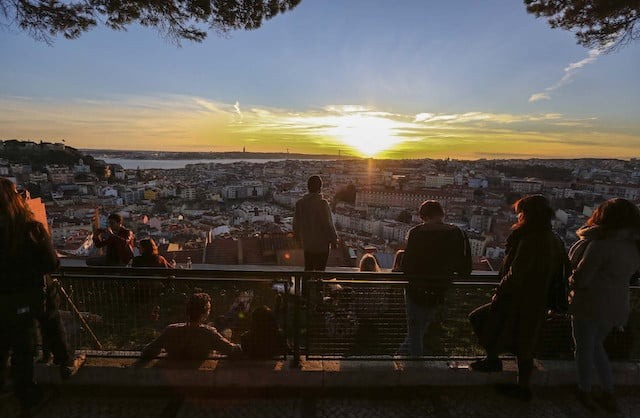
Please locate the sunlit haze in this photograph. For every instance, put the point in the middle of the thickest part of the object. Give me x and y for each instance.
(406, 80)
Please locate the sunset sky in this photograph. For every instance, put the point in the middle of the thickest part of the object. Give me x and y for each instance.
(460, 79)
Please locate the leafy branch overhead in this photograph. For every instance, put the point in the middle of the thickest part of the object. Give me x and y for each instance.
(601, 24)
(176, 19)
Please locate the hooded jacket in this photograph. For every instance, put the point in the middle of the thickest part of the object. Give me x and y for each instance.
(603, 262)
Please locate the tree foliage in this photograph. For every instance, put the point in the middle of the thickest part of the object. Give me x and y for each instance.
(176, 19)
(597, 23)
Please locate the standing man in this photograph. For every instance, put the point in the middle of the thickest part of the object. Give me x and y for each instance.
(435, 252)
(313, 226)
(119, 243)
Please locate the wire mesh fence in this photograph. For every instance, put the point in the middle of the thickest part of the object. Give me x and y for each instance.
(338, 318)
(127, 313)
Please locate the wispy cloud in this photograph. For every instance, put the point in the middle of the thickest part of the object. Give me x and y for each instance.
(569, 72)
(236, 107)
(174, 122)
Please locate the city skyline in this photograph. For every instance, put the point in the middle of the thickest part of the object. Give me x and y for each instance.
(421, 80)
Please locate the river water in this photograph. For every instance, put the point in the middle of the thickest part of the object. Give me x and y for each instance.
(130, 164)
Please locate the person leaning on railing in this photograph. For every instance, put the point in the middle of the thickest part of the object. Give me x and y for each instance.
(435, 252)
(511, 322)
(193, 340)
(604, 259)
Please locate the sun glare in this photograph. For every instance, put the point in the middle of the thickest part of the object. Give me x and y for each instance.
(366, 134)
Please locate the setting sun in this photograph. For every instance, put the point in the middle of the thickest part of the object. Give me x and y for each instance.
(367, 134)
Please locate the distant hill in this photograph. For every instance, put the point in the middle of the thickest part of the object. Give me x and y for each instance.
(38, 155)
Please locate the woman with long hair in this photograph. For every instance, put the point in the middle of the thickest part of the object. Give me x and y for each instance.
(513, 319)
(26, 255)
(604, 260)
(149, 256)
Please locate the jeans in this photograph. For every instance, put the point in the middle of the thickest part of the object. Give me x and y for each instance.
(419, 317)
(589, 339)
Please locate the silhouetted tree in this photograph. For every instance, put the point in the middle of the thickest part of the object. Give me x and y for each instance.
(176, 19)
(598, 23)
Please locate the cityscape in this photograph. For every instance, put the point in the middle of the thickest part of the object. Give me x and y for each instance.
(220, 213)
(319, 209)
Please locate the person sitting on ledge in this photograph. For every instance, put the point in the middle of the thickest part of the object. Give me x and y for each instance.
(264, 339)
(193, 340)
(149, 256)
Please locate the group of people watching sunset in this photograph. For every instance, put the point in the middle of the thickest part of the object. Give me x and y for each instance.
(590, 282)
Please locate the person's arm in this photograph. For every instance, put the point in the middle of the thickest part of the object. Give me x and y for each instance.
(296, 221)
(588, 265)
(47, 258)
(221, 344)
(98, 241)
(155, 347)
(466, 263)
(409, 259)
(164, 263)
(333, 235)
(524, 262)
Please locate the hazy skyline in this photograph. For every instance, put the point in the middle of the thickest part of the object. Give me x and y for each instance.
(462, 79)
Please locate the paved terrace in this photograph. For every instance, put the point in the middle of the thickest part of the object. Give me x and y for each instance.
(120, 387)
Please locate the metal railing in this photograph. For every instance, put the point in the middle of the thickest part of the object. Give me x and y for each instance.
(324, 315)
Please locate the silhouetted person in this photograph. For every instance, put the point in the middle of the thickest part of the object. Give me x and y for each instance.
(605, 257)
(26, 255)
(313, 226)
(118, 242)
(369, 263)
(264, 340)
(193, 340)
(513, 319)
(435, 251)
(149, 256)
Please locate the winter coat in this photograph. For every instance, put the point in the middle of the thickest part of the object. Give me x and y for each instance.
(604, 261)
(434, 252)
(512, 322)
(313, 224)
(22, 282)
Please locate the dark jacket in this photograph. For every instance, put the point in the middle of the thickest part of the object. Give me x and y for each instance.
(603, 261)
(263, 345)
(119, 245)
(534, 257)
(436, 252)
(313, 224)
(154, 260)
(22, 275)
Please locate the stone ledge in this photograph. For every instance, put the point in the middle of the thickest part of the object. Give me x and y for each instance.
(127, 373)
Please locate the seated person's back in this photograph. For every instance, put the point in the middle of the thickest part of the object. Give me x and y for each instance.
(264, 339)
(149, 256)
(192, 340)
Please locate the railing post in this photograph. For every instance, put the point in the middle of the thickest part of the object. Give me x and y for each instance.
(297, 320)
